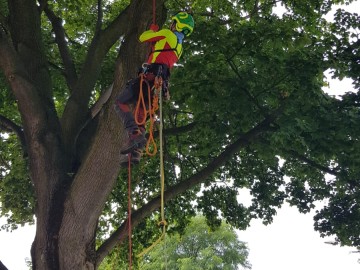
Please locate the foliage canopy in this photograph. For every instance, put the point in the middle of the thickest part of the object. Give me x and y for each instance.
(248, 108)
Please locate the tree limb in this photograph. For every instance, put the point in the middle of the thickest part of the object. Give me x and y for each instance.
(60, 39)
(120, 234)
(313, 163)
(4, 164)
(26, 39)
(9, 126)
(100, 16)
(76, 109)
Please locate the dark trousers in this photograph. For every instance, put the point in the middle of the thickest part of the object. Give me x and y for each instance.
(130, 95)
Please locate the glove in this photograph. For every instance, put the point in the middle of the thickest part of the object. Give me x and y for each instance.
(154, 27)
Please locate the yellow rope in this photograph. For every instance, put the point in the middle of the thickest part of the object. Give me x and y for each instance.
(163, 222)
(162, 177)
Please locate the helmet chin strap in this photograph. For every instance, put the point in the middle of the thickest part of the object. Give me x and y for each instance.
(173, 25)
(180, 36)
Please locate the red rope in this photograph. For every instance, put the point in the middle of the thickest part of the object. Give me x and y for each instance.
(129, 171)
(129, 211)
(154, 11)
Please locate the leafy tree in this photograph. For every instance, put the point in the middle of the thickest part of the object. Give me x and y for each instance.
(199, 248)
(247, 93)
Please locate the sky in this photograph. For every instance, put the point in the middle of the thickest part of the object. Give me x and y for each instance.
(289, 243)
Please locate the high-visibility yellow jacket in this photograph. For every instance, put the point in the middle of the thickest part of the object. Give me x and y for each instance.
(165, 48)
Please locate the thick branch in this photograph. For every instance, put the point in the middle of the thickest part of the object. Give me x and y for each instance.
(9, 126)
(120, 234)
(24, 91)
(76, 109)
(60, 38)
(96, 108)
(25, 28)
(100, 16)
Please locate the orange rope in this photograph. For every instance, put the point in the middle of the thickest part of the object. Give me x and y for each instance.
(141, 102)
(153, 107)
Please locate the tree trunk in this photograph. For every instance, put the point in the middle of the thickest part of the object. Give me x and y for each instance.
(68, 202)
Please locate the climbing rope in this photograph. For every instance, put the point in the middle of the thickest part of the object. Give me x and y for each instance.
(129, 211)
(153, 106)
(154, 11)
(162, 223)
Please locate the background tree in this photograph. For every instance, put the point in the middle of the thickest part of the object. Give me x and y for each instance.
(199, 247)
(247, 94)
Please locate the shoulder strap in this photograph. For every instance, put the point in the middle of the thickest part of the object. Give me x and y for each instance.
(171, 49)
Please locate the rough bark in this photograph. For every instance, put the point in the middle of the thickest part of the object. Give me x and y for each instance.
(67, 204)
(24, 65)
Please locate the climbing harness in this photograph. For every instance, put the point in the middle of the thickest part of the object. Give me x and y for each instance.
(150, 110)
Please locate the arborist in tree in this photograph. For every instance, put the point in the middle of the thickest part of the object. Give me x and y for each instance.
(166, 50)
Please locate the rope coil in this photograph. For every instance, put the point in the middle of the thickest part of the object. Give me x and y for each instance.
(153, 106)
